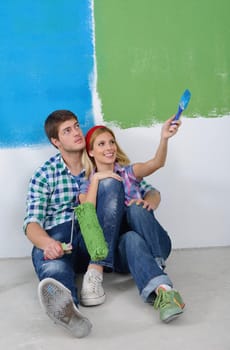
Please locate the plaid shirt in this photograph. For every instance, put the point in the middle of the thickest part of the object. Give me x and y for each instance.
(145, 187)
(53, 193)
(134, 189)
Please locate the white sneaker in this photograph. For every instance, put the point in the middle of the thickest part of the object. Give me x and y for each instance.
(92, 292)
(58, 303)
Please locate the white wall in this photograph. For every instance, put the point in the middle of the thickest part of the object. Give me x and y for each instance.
(194, 184)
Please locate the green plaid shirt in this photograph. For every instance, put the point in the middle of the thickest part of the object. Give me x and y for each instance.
(53, 193)
(146, 187)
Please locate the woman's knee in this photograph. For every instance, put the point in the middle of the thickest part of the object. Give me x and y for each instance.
(110, 185)
(137, 209)
(110, 199)
(136, 213)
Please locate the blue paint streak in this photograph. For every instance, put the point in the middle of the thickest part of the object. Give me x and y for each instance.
(46, 59)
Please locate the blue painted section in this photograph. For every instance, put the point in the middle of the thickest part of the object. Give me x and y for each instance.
(46, 59)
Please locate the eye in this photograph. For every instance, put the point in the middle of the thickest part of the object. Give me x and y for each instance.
(66, 131)
(101, 143)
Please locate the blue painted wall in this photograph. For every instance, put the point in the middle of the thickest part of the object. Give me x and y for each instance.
(46, 59)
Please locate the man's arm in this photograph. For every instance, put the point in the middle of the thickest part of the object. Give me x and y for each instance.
(40, 239)
(37, 199)
(150, 194)
(153, 197)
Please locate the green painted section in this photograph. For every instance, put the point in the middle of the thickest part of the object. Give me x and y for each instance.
(149, 51)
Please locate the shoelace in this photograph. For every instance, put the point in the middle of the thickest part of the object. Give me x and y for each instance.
(93, 283)
(163, 299)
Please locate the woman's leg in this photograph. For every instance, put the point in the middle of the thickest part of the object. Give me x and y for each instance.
(153, 283)
(110, 211)
(135, 256)
(144, 222)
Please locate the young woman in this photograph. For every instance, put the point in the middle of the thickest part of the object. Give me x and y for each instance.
(107, 156)
(144, 245)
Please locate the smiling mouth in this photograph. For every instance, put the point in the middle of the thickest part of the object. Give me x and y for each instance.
(109, 155)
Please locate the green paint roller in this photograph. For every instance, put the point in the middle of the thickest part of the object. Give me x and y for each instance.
(91, 231)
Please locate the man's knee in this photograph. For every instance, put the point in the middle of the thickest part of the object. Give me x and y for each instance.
(52, 268)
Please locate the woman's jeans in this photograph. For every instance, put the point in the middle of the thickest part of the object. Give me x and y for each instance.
(110, 210)
(139, 250)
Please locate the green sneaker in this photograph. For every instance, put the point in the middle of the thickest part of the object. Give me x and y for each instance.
(169, 303)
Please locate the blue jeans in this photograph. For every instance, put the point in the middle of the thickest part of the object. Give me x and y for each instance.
(139, 249)
(110, 209)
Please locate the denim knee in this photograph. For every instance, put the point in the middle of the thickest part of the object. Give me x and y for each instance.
(137, 211)
(53, 268)
(110, 184)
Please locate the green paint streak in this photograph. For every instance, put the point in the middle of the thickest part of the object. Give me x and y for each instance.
(148, 52)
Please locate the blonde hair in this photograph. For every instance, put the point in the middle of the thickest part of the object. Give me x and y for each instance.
(86, 163)
(121, 158)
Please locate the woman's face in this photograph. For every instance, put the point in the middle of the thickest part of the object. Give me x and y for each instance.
(104, 149)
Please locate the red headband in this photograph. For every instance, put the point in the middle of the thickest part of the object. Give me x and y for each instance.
(89, 134)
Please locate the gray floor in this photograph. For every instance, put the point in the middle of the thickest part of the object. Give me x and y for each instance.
(124, 321)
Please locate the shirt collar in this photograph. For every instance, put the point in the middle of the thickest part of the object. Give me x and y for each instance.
(63, 167)
(118, 168)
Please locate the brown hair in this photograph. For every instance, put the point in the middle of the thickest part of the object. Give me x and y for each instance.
(54, 120)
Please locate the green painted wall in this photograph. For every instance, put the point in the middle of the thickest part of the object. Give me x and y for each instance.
(149, 51)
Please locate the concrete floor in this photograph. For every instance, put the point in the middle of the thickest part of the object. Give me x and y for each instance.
(124, 321)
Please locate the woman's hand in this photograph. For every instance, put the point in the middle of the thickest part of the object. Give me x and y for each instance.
(170, 127)
(105, 174)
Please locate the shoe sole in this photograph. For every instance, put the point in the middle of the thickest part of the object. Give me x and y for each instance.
(57, 302)
(92, 302)
(172, 317)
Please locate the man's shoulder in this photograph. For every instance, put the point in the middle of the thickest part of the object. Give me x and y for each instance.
(50, 165)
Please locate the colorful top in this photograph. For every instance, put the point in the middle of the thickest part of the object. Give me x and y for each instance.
(134, 188)
(53, 193)
(130, 182)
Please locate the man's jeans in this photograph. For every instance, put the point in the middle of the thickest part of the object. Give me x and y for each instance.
(142, 251)
(110, 209)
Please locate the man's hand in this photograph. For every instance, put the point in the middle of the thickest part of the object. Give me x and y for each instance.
(53, 250)
(142, 202)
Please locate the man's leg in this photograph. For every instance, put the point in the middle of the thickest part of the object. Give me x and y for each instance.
(58, 303)
(61, 269)
(57, 288)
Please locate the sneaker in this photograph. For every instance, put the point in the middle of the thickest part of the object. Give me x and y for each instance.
(169, 303)
(92, 292)
(57, 302)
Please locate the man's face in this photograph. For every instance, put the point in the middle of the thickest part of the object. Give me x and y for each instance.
(70, 137)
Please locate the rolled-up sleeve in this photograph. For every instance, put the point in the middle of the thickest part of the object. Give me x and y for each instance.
(37, 201)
